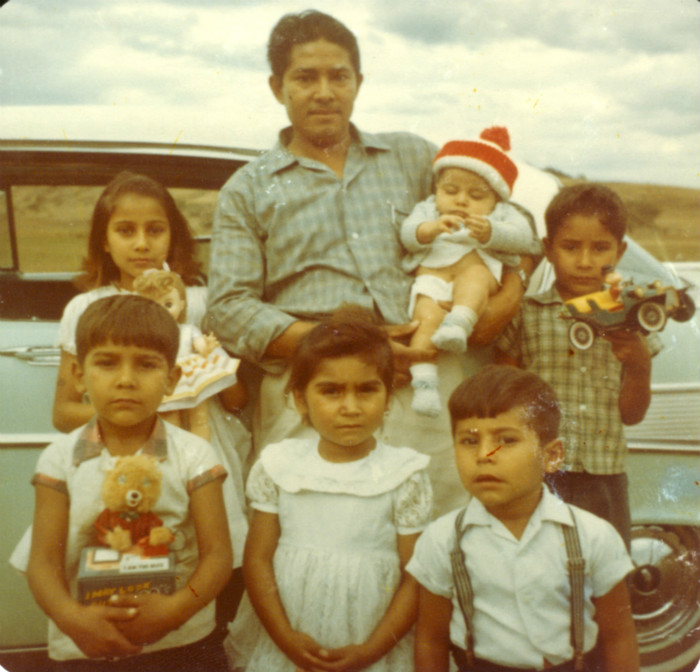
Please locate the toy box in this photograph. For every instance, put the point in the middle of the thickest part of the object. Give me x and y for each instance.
(104, 572)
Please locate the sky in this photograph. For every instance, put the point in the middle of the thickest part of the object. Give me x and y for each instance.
(605, 89)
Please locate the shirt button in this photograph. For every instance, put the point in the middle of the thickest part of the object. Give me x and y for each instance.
(355, 236)
(583, 369)
(582, 407)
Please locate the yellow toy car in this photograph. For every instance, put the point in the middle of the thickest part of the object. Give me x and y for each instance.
(628, 305)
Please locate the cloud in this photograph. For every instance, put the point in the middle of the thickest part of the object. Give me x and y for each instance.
(593, 25)
(609, 88)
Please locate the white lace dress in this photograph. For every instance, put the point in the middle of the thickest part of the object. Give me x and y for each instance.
(336, 563)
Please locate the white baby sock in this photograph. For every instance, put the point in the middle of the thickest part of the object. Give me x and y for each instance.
(455, 329)
(426, 397)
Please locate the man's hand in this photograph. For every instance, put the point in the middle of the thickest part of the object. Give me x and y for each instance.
(427, 232)
(404, 355)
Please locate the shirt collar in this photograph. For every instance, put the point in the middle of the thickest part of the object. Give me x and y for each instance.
(89, 443)
(279, 157)
(549, 508)
(550, 295)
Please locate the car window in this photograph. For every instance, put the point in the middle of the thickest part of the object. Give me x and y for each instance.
(61, 214)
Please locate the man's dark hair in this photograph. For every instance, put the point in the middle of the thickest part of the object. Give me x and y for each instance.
(590, 199)
(308, 26)
(127, 319)
(498, 389)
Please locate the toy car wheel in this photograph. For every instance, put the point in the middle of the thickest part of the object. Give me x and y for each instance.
(651, 316)
(686, 310)
(581, 335)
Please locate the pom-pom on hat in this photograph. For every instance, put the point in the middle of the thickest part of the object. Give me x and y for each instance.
(486, 157)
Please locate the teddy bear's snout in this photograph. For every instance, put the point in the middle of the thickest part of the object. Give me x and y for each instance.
(133, 497)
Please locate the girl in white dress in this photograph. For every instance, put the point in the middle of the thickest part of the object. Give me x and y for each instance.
(334, 520)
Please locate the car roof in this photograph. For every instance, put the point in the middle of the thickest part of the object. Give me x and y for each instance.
(47, 162)
(179, 146)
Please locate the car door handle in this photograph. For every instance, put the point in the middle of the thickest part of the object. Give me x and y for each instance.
(36, 355)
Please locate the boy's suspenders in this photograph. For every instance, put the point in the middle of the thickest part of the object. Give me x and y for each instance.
(576, 565)
(463, 586)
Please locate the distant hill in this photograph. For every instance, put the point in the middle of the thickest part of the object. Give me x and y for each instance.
(664, 220)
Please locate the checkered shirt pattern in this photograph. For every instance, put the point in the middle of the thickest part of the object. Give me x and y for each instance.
(587, 382)
(293, 240)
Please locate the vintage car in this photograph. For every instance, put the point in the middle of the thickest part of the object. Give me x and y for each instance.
(47, 191)
(627, 305)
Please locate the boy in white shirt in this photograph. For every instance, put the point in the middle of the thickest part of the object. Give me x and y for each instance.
(495, 590)
(126, 349)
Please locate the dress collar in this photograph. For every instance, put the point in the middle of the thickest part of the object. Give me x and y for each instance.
(90, 445)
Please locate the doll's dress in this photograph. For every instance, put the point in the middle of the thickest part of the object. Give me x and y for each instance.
(336, 563)
(202, 377)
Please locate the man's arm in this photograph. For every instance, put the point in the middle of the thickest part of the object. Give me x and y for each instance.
(236, 312)
(285, 344)
(502, 306)
(432, 643)
(616, 633)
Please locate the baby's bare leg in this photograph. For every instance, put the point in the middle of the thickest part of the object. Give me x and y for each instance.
(424, 378)
(473, 283)
(429, 316)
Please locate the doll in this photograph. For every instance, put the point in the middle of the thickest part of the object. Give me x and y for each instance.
(206, 367)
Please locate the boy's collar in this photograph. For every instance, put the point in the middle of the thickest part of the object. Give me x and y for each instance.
(549, 508)
(89, 443)
(549, 295)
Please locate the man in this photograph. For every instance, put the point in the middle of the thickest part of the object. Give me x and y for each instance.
(314, 223)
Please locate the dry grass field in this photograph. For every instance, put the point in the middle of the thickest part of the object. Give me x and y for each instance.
(53, 222)
(663, 220)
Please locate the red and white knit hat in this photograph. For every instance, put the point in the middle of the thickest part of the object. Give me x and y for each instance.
(486, 157)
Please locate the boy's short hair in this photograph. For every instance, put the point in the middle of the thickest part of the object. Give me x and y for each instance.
(497, 389)
(308, 26)
(349, 331)
(587, 198)
(127, 320)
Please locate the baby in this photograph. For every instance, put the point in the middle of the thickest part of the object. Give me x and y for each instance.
(461, 237)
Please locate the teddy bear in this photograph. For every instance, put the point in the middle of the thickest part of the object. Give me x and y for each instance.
(128, 524)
